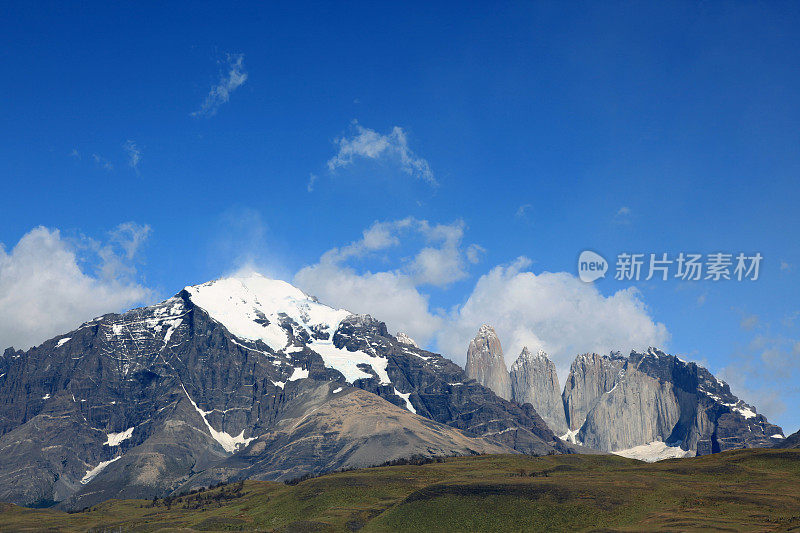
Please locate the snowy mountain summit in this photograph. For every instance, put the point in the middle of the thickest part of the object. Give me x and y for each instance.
(253, 307)
(258, 309)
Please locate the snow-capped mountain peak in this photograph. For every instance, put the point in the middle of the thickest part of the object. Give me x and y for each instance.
(251, 307)
(256, 308)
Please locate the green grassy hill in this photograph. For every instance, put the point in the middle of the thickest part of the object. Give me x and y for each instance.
(740, 490)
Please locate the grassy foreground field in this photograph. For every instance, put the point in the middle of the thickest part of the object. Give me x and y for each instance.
(745, 490)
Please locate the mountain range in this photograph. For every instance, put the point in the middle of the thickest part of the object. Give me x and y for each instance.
(649, 405)
(239, 377)
(250, 378)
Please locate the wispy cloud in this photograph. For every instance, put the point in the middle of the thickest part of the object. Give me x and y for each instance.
(102, 162)
(701, 300)
(522, 211)
(230, 80)
(765, 372)
(749, 322)
(623, 215)
(474, 253)
(75, 153)
(312, 178)
(393, 146)
(786, 266)
(134, 154)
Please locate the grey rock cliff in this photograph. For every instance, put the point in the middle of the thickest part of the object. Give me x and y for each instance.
(619, 403)
(590, 376)
(486, 363)
(534, 380)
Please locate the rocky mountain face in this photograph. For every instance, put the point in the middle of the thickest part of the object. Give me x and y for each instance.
(648, 406)
(616, 404)
(534, 380)
(486, 363)
(590, 376)
(240, 377)
(327, 427)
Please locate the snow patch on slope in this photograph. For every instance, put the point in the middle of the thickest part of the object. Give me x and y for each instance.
(227, 441)
(570, 436)
(347, 362)
(115, 439)
(92, 472)
(655, 451)
(298, 373)
(408, 402)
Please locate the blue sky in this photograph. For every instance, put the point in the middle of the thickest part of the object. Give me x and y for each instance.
(493, 131)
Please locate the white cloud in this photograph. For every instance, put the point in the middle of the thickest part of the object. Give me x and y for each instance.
(388, 296)
(312, 178)
(379, 236)
(46, 288)
(229, 82)
(392, 295)
(369, 144)
(75, 153)
(552, 311)
(438, 266)
(134, 154)
(441, 262)
(555, 312)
